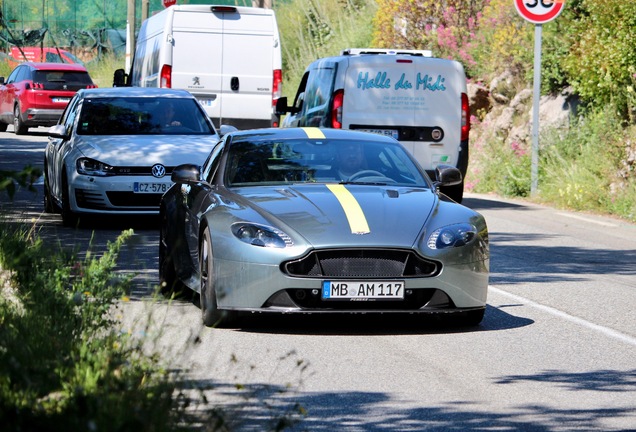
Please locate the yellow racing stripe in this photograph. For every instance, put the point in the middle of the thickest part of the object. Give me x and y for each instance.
(313, 132)
(353, 211)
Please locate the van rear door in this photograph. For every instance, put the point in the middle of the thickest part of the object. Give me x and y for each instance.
(412, 98)
(197, 53)
(248, 68)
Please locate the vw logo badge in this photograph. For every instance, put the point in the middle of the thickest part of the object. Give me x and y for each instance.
(158, 170)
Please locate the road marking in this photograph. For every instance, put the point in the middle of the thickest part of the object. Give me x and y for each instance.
(607, 224)
(580, 321)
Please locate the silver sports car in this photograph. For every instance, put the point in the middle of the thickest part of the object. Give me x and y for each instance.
(307, 220)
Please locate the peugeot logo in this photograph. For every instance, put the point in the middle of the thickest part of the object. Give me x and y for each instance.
(158, 170)
(195, 81)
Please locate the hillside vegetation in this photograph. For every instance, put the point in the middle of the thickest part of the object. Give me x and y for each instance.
(587, 164)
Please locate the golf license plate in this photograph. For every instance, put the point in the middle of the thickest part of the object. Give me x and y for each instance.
(151, 188)
(361, 290)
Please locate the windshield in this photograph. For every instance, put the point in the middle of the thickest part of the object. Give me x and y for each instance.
(256, 163)
(142, 116)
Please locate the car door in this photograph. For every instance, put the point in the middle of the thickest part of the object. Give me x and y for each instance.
(58, 148)
(197, 199)
(8, 95)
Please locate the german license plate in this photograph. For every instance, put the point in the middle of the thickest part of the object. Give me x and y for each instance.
(61, 99)
(362, 290)
(151, 188)
(387, 132)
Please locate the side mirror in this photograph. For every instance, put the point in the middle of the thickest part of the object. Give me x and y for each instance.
(59, 131)
(281, 106)
(446, 175)
(226, 129)
(186, 173)
(1, 80)
(120, 78)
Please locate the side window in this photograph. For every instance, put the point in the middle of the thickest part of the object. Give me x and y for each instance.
(300, 94)
(211, 165)
(69, 114)
(318, 95)
(13, 77)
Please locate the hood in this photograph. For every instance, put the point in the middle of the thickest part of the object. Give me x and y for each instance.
(394, 216)
(147, 150)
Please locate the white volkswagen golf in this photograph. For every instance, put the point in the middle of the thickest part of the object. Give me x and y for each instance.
(114, 149)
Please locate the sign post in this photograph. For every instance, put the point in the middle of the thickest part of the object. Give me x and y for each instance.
(537, 12)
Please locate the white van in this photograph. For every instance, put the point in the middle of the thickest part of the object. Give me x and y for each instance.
(228, 57)
(407, 94)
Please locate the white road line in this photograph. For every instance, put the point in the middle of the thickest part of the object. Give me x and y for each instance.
(604, 330)
(607, 224)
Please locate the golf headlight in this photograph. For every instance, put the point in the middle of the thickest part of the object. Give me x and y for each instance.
(260, 235)
(451, 236)
(93, 167)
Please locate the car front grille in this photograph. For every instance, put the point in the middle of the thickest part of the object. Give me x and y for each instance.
(362, 263)
(118, 200)
(131, 199)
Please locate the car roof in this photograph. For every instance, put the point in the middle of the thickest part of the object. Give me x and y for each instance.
(135, 92)
(267, 134)
(55, 66)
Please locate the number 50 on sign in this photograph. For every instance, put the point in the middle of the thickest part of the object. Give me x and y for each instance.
(539, 11)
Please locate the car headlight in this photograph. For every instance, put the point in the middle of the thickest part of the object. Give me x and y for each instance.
(260, 235)
(451, 236)
(93, 167)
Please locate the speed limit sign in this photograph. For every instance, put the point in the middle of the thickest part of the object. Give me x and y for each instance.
(539, 11)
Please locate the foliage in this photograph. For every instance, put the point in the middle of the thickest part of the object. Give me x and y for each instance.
(601, 62)
(26, 178)
(447, 28)
(580, 169)
(63, 366)
(504, 41)
(312, 29)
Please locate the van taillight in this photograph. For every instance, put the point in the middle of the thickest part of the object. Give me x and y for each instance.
(223, 9)
(336, 109)
(166, 77)
(277, 86)
(465, 117)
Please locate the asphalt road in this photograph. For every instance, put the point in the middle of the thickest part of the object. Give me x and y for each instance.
(556, 350)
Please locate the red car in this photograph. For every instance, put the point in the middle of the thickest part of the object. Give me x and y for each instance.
(35, 94)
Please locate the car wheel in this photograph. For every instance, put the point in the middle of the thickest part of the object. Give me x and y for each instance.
(18, 125)
(212, 316)
(69, 218)
(3, 127)
(169, 284)
(49, 207)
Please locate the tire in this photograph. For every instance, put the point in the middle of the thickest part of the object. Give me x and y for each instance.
(169, 284)
(49, 207)
(18, 125)
(3, 127)
(212, 316)
(69, 218)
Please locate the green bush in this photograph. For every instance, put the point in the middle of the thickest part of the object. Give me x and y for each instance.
(63, 364)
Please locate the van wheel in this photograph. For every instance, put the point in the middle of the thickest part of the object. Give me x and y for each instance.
(18, 125)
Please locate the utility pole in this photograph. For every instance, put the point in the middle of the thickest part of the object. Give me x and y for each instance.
(130, 34)
(145, 9)
(267, 4)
